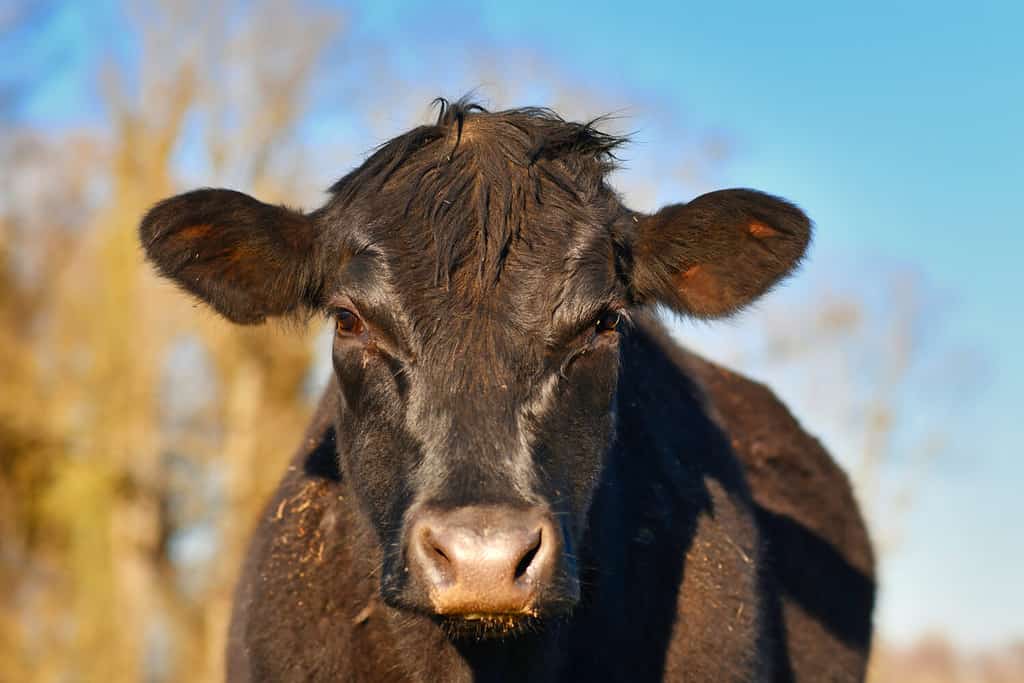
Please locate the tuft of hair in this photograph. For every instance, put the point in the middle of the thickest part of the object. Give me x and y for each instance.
(474, 176)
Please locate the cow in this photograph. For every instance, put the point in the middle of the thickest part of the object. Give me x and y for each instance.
(514, 473)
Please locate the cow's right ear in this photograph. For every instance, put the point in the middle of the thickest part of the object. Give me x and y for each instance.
(247, 259)
(717, 254)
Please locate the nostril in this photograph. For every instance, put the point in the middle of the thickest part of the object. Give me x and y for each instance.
(440, 554)
(435, 559)
(528, 557)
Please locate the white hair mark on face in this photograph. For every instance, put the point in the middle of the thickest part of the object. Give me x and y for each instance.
(428, 423)
(531, 413)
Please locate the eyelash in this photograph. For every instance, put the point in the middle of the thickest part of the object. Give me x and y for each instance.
(347, 323)
(619, 319)
(608, 321)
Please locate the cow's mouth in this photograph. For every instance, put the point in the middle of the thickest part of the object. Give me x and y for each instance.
(489, 626)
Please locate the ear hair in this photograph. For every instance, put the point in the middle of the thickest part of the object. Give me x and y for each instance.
(717, 254)
(247, 259)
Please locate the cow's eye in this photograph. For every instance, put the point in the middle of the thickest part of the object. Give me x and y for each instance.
(609, 322)
(347, 323)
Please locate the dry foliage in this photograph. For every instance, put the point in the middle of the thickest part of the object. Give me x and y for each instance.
(106, 449)
(934, 660)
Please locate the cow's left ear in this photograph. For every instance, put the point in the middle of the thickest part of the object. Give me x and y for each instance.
(247, 259)
(720, 252)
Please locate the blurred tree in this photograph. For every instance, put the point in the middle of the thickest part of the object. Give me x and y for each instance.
(85, 453)
(933, 659)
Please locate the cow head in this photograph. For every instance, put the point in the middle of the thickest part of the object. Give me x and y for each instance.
(480, 273)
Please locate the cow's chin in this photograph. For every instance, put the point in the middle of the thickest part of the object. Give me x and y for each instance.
(484, 626)
(477, 627)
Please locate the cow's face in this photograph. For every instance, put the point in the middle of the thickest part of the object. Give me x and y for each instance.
(479, 273)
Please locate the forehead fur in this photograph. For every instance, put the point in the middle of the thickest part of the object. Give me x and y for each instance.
(475, 183)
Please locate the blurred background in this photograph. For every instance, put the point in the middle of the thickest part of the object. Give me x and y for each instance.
(140, 434)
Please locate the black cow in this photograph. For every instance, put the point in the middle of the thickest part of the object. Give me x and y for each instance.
(514, 474)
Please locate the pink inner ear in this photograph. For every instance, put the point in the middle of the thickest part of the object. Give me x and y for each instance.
(196, 231)
(761, 231)
(689, 273)
(701, 290)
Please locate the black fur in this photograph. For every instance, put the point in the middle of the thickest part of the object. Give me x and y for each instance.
(703, 535)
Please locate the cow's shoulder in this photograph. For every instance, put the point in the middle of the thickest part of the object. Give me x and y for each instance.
(789, 471)
(818, 545)
(304, 590)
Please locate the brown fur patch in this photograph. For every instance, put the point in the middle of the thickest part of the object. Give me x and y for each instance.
(690, 272)
(700, 288)
(761, 231)
(194, 232)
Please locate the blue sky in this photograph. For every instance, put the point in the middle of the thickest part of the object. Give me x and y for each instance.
(898, 129)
